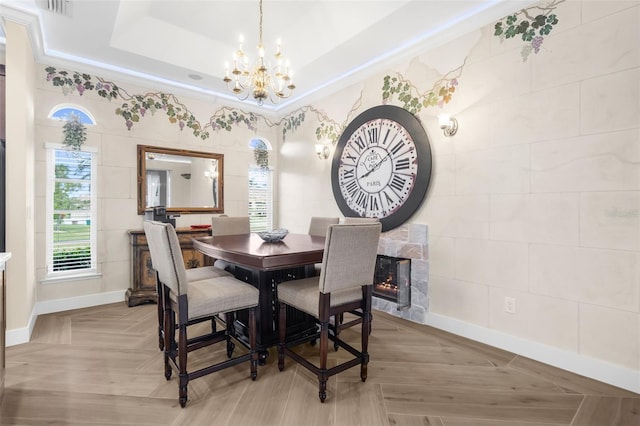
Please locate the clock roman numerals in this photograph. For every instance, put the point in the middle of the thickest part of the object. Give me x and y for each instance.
(373, 202)
(402, 164)
(397, 147)
(373, 135)
(377, 168)
(370, 205)
(382, 165)
(398, 182)
(360, 142)
(348, 174)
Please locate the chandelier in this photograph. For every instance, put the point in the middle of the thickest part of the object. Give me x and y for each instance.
(258, 81)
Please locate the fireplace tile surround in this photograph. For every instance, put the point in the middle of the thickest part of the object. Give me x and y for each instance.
(409, 241)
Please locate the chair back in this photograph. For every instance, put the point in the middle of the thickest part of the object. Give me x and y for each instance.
(349, 258)
(318, 225)
(166, 255)
(225, 225)
(355, 220)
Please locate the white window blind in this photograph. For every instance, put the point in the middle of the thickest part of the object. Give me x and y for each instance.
(71, 212)
(260, 199)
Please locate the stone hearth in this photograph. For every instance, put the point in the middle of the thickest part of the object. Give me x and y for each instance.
(410, 241)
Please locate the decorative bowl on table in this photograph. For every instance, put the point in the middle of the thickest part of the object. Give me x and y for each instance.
(273, 236)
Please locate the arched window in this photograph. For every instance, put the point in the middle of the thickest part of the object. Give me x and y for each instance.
(71, 222)
(64, 111)
(260, 143)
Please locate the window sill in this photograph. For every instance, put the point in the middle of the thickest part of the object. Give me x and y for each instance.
(74, 277)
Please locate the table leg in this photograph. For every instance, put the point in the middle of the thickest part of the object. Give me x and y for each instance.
(298, 323)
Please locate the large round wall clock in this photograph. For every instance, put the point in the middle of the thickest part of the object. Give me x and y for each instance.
(381, 166)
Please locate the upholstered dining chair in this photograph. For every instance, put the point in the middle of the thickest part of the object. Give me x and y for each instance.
(339, 323)
(193, 274)
(228, 225)
(189, 302)
(318, 228)
(345, 284)
(318, 225)
(352, 220)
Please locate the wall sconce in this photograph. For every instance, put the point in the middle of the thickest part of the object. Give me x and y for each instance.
(322, 151)
(448, 124)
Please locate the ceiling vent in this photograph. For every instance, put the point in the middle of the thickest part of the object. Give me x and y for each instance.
(60, 7)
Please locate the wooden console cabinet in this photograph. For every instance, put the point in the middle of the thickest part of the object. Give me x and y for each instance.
(143, 277)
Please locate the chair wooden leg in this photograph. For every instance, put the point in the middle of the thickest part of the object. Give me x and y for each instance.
(160, 315)
(365, 344)
(366, 329)
(282, 334)
(252, 343)
(322, 373)
(338, 320)
(230, 319)
(182, 363)
(169, 340)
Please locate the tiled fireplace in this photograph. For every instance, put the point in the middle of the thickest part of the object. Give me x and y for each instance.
(392, 280)
(409, 242)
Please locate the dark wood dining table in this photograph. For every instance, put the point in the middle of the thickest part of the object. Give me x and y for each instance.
(265, 265)
(251, 251)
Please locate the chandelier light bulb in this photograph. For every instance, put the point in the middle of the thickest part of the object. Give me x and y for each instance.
(278, 54)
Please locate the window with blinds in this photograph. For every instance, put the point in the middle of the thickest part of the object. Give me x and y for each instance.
(71, 211)
(260, 200)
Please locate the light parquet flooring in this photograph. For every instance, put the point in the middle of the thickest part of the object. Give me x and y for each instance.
(102, 366)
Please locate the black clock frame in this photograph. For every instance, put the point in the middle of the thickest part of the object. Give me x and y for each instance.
(415, 129)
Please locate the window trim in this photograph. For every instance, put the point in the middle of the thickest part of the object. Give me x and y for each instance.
(75, 274)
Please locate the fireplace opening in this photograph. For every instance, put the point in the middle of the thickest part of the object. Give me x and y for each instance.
(392, 280)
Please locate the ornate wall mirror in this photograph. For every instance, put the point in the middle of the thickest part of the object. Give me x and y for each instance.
(183, 181)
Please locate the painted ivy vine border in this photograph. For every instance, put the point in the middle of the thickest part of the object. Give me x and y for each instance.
(531, 24)
(410, 96)
(135, 107)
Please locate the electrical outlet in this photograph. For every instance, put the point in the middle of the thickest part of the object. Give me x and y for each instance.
(510, 305)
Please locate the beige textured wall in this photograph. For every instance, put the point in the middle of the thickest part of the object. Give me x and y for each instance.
(538, 195)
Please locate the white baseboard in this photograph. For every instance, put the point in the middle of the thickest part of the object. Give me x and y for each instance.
(60, 305)
(18, 336)
(615, 375)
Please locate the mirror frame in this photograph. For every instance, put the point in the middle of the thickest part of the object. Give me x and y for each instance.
(142, 181)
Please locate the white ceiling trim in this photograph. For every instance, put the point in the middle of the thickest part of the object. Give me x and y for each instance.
(123, 33)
